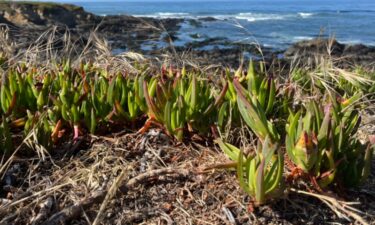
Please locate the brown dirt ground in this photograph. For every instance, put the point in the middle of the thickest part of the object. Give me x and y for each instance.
(213, 197)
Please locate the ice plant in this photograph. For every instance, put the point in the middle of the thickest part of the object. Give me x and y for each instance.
(166, 108)
(253, 114)
(334, 155)
(228, 113)
(8, 94)
(259, 173)
(352, 157)
(182, 100)
(320, 137)
(202, 102)
(6, 144)
(123, 95)
(262, 87)
(301, 141)
(356, 165)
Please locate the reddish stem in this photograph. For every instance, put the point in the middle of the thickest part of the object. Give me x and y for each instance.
(76, 132)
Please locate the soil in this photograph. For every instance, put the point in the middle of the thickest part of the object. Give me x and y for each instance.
(196, 196)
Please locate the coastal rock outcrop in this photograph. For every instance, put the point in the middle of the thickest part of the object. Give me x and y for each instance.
(351, 54)
(153, 36)
(32, 14)
(28, 20)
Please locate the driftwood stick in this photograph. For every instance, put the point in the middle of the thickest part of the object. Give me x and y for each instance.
(97, 197)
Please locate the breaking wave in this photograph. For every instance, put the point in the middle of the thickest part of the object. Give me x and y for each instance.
(249, 16)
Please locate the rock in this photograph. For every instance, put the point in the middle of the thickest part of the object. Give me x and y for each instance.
(195, 23)
(122, 32)
(206, 42)
(357, 54)
(359, 50)
(208, 19)
(195, 36)
(313, 47)
(32, 14)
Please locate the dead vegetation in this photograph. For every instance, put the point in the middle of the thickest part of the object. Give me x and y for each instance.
(151, 179)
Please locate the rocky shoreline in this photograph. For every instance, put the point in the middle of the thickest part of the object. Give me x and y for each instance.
(154, 37)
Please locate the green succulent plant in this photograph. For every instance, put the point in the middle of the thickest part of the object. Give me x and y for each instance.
(253, 114)
(323, 143)
(260, 173)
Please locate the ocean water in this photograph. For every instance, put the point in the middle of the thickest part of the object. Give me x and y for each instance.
(272, 23)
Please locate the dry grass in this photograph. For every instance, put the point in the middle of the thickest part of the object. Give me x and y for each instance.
(203, 197)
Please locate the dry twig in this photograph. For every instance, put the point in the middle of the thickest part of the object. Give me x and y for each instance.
(341, 208)
(75, 210)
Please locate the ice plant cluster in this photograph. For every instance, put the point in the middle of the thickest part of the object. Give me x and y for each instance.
(322, 143)
(318, 136)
